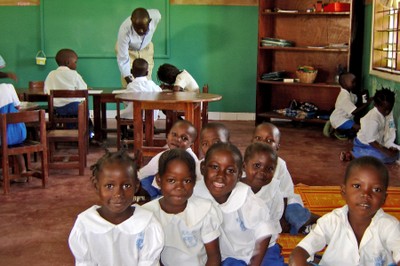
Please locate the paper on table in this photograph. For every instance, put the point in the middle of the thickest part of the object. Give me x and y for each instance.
(95, 91)
(119, 91)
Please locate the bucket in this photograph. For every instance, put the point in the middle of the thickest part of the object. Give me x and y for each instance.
(40, 58)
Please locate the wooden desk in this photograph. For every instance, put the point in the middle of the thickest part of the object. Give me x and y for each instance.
(28, 106)
(100, 101)
(189, 102)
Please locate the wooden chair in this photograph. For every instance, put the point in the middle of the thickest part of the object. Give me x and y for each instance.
(36, 86)
(122, 126)
(60, 134)
(27, 147)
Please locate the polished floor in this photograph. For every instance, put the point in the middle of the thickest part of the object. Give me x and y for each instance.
(35, 222)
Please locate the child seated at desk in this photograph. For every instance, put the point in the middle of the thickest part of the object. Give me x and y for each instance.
(175, 79)
(181, 136)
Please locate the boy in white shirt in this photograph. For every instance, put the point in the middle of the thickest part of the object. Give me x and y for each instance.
(175, 79)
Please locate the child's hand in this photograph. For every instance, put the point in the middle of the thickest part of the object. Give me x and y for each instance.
(12, 76)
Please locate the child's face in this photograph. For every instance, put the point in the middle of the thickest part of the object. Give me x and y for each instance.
(176, 186)
(350, 83)
(221, 173)
(180, 137)
(267, 134)
(385, 108)
(72, 62)
(209, 137)
(259, 170)
(116, 189)
(364, 192)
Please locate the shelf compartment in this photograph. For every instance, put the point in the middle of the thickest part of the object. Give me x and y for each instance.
(305, 49)
(272, 114)
(299, 84)
(302, 13)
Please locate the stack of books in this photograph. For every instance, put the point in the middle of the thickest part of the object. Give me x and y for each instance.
(276, 42)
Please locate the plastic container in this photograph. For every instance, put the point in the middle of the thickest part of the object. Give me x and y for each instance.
(337, 7)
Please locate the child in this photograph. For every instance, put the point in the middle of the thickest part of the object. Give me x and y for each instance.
(191, 224)
(359, 233)
(246, 228)
(259, 165)
(175, 79)
(181, 136)
(341, 118)
(370, 139)
(65, 77)
(116, 233)
(16, 133)
(139, 84)
(295, 214)
(210, 134)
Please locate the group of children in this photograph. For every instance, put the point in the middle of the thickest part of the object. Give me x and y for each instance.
(227, 209)
(376, 133)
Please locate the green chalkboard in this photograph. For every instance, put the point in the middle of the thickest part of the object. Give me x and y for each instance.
(90, 27)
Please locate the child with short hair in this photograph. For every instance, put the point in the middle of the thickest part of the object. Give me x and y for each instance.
(359, 233)
(259, 165)
(140, 83)
(181, 136)
(191, 224)
(117, 232)
(246, 228)
(375, 130)
(295, 214)
(210, 134)
(342, 118)
(175, 79)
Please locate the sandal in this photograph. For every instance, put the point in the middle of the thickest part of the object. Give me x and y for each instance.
(346, 156)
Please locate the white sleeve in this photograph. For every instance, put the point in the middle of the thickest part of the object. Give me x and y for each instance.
(152, 247)
(14, 96)
(151, 168)
(80, 83)
(316, 240)
(123, 51)
(211, 225)
(79, 246)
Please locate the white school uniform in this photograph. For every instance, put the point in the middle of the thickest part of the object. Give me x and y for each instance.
(372, 127)
(380, 244)
(286, 183)
(136, 241)
(344, 106)
(273, 200)
(245, 220)
(186, 81)
(64, 78)
(188, 231)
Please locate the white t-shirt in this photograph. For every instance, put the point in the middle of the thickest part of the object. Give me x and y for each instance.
(372, 127)
(380, 244)
(186, 81)
(140, 84)
(286, 183)
(64, 78)
(245, 220)
(136, 241)
(8, 95)
(344, 106)
(188, 231)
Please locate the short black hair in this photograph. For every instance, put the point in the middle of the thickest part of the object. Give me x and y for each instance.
(119, 157)
(369, 161)
(384, 95)
(140, 13)
(260, 147)
(343, 77)
(180, 155)
(140, 68)
(268, 124)
(64, 55)
(192, 131)
(227, 146)
(218, 127)
(167, 73)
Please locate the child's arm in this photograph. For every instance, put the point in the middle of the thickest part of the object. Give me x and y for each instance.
(388, 151)
(298, 257)
(362, 107)
(259, 251)
(213, 253)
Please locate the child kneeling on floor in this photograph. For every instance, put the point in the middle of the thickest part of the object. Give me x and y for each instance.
(359, 233)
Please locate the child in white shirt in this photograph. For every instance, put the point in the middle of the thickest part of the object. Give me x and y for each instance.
(246, 229)
(259, 165)
(116, 233)
(191, 224)
(175, 79)
(295, 214)
(377, 132)
(181, 136)
(360, 233)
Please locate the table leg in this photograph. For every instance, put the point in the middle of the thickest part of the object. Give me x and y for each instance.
(149, 127)
(138, 132)
(103, 120)
(97, 117)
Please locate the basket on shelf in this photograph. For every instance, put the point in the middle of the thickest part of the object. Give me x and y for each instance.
(306, 74)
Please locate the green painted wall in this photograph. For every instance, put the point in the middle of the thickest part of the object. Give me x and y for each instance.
(373, 83)
(214, 43)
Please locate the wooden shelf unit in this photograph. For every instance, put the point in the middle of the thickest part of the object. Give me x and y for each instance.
(314, 34)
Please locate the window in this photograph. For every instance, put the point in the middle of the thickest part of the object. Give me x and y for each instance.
(385, 47)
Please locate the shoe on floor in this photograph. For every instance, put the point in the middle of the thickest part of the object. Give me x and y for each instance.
(327, 129)
(340, 136)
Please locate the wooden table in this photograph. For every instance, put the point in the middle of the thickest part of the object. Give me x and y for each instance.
(100, 101)
(188, 102)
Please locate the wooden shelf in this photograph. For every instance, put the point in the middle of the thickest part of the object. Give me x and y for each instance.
(270, 115)
(319, 85)
(305, 49)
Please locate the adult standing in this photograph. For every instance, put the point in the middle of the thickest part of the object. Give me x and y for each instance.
(134, 41)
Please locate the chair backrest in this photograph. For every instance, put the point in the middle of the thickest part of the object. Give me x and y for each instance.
(204, 109)
(36, 86)
(56, 119)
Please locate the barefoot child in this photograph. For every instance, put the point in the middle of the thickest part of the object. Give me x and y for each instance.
(359, 233)
(259, 165)
(246, 229)
(116, 232)
(191, 224)
(295, 214)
